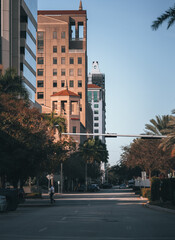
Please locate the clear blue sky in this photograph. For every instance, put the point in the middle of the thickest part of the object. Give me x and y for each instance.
(139, 64)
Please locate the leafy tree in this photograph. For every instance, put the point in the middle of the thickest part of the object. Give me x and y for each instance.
(169, 16)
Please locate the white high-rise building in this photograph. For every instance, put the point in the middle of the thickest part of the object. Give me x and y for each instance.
(96, 97)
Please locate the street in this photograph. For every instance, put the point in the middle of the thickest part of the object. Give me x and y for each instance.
(107, 215)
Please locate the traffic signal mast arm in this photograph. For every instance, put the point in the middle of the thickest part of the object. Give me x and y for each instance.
(112, 135)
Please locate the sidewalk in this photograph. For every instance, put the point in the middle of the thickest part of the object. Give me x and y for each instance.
(39, 202)
(158, 208)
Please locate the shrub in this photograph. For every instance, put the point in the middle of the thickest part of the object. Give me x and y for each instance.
(146, 193)
(155, 189)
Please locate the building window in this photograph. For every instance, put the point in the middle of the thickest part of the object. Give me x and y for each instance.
(40, 41)
(63, 35)
(63, 72)
(54, 60)
(79, 60)
(63, 49)
(79, 72)
(96, 118)
(74, 129)
(40, 60)
(54, 83)
(40, 72)
(54, 49)
(54, 105)
(54, 35)
(79, 83)
(63, 60)
(89, 96)
(80, 94)
(80, 107)
(71, 83)
(62, 83)
(96, 131)
(40, 83)
(95, 105)
(40, 95)
(54, 72)
(71, 60)
(71, 72)
(95, 96)
(96, 112)
(95, 124)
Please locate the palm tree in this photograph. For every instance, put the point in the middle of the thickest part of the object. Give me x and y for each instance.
(56, 122)
(168, 15)
(93, 150)
(11, 83)
(158, 126)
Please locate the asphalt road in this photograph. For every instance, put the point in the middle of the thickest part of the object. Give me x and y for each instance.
(108, 215)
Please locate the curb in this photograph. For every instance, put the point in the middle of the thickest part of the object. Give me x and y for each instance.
(159, 208)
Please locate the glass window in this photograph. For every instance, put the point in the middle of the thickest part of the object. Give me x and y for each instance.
(54, 83)
(30, 60)
(96, 112)
(63, 60)
(96, 118)
(54, 60)
(63, 35)
(89, 96)
(40, 72)
(79, 60)
(80, 94)
(40, 41)
(40, 60)
(54, 49)
(95, 124)
(40, 95)
(95, 105)
(29, 75)
(40, 83)
(63, 49)
(95, 96)
(96, 131)
(54, 35)
(31, 28)
(79, 72)
(74, 129)
(71, 72)
(71, 60)
(54, 72)
(79, 83)
(80, 107)
(71, 83)
(62, 83)
(63, 72)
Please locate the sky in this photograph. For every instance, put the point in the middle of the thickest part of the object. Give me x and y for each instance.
(138, 63)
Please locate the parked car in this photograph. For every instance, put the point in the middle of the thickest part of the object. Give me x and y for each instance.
(93, 188)
(123, 186)
(3, 203)
(106, 185)
(81, 188)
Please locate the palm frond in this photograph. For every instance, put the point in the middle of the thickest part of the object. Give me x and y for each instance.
(170, 13)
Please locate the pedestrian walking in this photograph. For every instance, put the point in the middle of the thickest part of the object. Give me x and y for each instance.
(52, 191)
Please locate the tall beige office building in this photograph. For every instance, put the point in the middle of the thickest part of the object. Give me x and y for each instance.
(62, 67)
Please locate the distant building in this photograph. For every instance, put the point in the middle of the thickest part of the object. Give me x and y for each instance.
(18, 22)
(96, 97)
(62, 67)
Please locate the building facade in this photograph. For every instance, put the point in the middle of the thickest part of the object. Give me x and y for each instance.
(96, 97)
(62, 66)
(18, 40)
